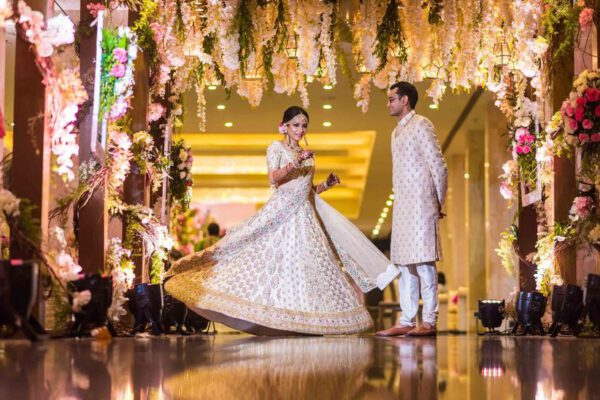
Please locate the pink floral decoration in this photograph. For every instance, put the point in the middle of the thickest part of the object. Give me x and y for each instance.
(155, 112)
(94, 8)
(118, 109)
(582, 206)
(584, 137)
(120, 55)
(587, 124)
(595, 137)
(586, 18)
(118, 71)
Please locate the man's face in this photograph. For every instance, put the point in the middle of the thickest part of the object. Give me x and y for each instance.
(395, 103)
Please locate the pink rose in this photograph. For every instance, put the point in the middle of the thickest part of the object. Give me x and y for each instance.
(582, 206)
(597, 111)
(526, 149)
(583, 137)
(569, 110)
(587, 124)
(521, 133)
(573, 124)
(579, 114)
(592, 94)
(93, 8)
(586, 18)
(595, 137)
(581, 101)
(118, 71)
(118, 109)
(120, 55)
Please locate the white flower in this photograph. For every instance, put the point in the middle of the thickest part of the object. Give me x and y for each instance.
(183, 155)
(80, 299)
(9, 203)
(182, 175)
(60, 30)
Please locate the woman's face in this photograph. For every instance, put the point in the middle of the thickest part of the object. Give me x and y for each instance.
(297, 127)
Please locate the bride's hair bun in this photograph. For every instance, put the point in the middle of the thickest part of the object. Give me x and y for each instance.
(292, 112)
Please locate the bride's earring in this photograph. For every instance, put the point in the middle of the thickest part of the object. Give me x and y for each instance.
(305, 141)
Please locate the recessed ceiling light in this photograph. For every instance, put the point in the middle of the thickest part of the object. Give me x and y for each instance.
(389, 203)
(327, 106)
(380, 220)
(327, 124)
(327, 87)
(221, 107)
(228, 124)
(211, 87)
(392, 196)
(434, 106)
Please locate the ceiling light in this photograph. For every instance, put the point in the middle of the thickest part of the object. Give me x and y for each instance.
(384, 215)
(327, 106)
(212, 87)
(228, 124)
(380, 220)
(434, 106)
(389, 203)
(327, 124)
(327, 87)
(221, 107)
(386, 209)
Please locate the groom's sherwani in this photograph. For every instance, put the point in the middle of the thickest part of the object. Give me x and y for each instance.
(420, 179)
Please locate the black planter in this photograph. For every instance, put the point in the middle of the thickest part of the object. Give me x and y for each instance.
(173, 315)
(530, 307)
(592, 300)
(95, 313)
(18, 292)
(567, 308)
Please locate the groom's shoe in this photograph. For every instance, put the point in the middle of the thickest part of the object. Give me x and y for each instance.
(424, 330)
(397, 330)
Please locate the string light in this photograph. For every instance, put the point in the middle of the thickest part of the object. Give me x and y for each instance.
(383, 216)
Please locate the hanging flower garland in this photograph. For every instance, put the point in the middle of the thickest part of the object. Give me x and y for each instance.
(65, 90)
(181, 182)
(119, 50)
(122, 270)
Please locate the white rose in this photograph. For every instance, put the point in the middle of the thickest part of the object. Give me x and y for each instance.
(60, 30)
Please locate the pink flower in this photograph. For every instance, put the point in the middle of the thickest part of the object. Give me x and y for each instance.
(155, 112)
(597, 111)
(573, 124)
(118, 109)
(521, 133)
(118, 71)
(583, 137)
(282, 128)
(506, 191)
(592, 94)
(120, 55)
(582, 206)
(586, 18)
(595, 137)
(569, 110)
(581, 101)
(526, 149)
(587, 124)
(579, 113)
(2, 131)
(93, 8)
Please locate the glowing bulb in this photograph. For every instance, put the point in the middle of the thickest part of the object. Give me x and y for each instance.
(327, 106)
(389, 203)
(327, 124)
(228, 124)
(211, 87)
(434, 106)
(221, 107)
(327, 87)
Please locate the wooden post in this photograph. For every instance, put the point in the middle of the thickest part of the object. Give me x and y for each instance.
(93, 218)
(136, 187)
(30, 170)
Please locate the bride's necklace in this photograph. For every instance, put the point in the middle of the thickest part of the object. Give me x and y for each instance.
(295, 148)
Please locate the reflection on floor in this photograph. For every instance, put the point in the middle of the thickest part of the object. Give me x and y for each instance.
(356, 367)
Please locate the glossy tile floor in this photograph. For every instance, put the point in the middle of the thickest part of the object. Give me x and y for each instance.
(246, 367)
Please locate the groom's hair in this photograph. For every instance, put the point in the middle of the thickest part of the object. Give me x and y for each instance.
(408, 90)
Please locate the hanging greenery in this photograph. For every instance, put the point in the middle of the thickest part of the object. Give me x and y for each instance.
(244, 27)
(390, 37)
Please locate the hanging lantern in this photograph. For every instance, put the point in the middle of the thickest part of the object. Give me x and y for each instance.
(502, 52)
(291, 48)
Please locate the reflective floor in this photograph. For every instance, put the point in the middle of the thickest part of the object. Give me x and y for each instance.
(245, 367)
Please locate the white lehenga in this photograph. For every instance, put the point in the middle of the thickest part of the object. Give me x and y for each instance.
(283, 268)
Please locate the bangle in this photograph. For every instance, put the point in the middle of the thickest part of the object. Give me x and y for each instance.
(325, 185)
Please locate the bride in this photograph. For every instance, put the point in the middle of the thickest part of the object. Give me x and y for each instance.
(281, 272)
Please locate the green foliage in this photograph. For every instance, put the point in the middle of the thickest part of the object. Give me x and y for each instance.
(389, 32)
(144, 33)
(561, 24)
(434, 15)
(244, 27)
(110, 41)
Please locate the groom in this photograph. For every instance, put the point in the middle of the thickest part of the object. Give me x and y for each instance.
(420, 180)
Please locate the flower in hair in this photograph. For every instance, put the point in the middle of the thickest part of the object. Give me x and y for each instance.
(282, 128)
